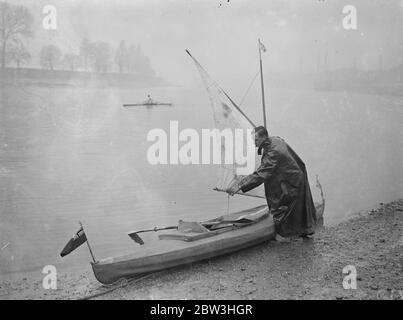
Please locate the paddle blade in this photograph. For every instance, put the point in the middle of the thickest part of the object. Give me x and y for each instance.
(136, 238)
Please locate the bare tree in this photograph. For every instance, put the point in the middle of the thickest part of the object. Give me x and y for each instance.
(15, 23)
(132, 58)
(86, 54)
(122, 57)
(139, 62)
(18, 54)
(102, 56)
(146, 67)
(50, 56)
(71, 60)
(95, 56)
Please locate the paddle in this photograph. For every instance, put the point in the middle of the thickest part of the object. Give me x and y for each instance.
(208, 224)
(134, 234)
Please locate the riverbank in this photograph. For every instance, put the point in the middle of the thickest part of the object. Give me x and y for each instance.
(371, 242)
(65, 78)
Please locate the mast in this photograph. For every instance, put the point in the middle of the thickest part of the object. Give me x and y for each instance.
(89, 247)
(261, 46)
(220, 101)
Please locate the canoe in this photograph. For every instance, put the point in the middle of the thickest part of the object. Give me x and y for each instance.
(191, 242)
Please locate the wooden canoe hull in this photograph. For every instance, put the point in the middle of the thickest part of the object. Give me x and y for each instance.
(165, 254)
(172, 253)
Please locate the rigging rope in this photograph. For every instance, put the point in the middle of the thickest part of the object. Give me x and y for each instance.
(250, 86)
(228, 204)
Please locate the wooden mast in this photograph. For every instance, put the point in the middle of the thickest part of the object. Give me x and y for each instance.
(261, 83)
(89, 247)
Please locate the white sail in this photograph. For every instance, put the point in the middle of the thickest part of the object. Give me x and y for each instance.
(227, 115)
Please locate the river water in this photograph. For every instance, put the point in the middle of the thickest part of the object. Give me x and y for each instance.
(75, 154)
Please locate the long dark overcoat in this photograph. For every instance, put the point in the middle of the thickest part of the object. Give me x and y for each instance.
(287, 190)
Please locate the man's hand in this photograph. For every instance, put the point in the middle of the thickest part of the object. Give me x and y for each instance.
(233, 189)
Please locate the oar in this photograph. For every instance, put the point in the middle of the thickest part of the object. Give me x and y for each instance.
(134, 234)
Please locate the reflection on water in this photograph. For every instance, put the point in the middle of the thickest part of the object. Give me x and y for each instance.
(70, 154)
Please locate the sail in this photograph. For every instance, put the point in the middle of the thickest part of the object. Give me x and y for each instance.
(227, 115)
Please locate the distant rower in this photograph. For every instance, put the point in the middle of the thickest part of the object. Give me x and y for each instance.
(149, 100)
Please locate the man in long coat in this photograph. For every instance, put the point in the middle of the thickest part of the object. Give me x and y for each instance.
(286, 185)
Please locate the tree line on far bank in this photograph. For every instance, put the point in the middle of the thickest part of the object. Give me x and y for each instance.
(98, 56)
(93, 56)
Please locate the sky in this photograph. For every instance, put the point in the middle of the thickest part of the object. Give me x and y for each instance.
(222, 34)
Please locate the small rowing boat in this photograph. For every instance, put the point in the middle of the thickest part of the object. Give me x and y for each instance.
(148, 103)
(145, 104)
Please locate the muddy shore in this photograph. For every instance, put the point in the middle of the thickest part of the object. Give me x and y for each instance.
(371, 242)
